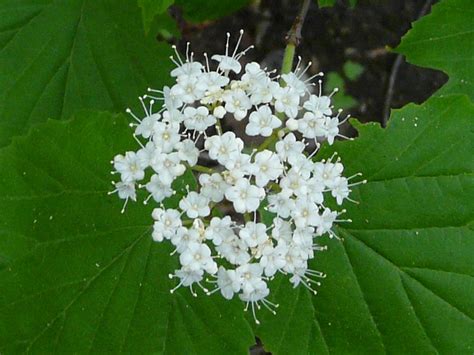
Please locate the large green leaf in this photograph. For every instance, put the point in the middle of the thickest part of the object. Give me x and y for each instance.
(403, 278)
(445, 40)
(77, 275)
(152, 8)
(57, 57)
(200, 11)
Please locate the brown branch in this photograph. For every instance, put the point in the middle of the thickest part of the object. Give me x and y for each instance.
(294, 34)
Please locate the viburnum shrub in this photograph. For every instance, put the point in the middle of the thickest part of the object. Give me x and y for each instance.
(218, 232)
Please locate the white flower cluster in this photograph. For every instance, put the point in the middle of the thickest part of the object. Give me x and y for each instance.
(236, 251)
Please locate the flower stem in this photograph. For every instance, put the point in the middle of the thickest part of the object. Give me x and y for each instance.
(293, 38)
(202, 169)
(288, 56)
(269, 141)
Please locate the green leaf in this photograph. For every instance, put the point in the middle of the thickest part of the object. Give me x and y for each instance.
(341, 99)
(200, 11)
(152, 8)
(326, 3)
(403, 278)
(352, 70)
(445, 40)
(57, 57)
(82, 277)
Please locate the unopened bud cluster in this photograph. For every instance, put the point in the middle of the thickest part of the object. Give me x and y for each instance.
(218, 231)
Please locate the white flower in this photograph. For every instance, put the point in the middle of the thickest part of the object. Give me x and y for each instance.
(312, 126)
(195, 205)
(198, 119)
(167, 166)
(281, 203)
(224, 147)
(303, 238)
(263, 93)
(166, 136)
(228, 282)
(340, 189)
(239, 165)
(294, 82)
(332, 128)
(145, 155)
(183, 237)
(173, 116)
(319, 105)
(245, 197)
(147, 125)
(126, 191)
(262, 122)
(287, 101)
(211, 82)
(254, 234)
(234, 250)
(326, 221)
(187, 278)
(188, 152)
(289, 146)
(129, 166)
(301, 164)
(219, 112)
(166, 224)
(219, 229)
(191, 121)
(213, 186)
(230, 62)
(273, 259)
(237, 102)
(187, 89)
(158, 190)
(266, 167)
(306, 213)
(188, 69)
(315, 190)
(198, 257)
(294, 183)
(171, 101)
(328, 172)
(253, 75)
(251, 275)
(295, 258)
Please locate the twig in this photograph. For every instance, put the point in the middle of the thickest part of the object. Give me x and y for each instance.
(394, 72)
(293, 37)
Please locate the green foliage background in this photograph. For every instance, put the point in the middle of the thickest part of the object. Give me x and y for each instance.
(77, 276)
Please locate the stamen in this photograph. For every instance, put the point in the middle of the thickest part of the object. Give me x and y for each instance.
(124, 206)
(133, 115)
(178, 64)
(238, 43)
(143, 105)
(207, 62)
(227, 44)
(187, 51)
(253, 313)
(177, 56)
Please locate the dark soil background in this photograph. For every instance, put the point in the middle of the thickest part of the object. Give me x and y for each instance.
(331, 36)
